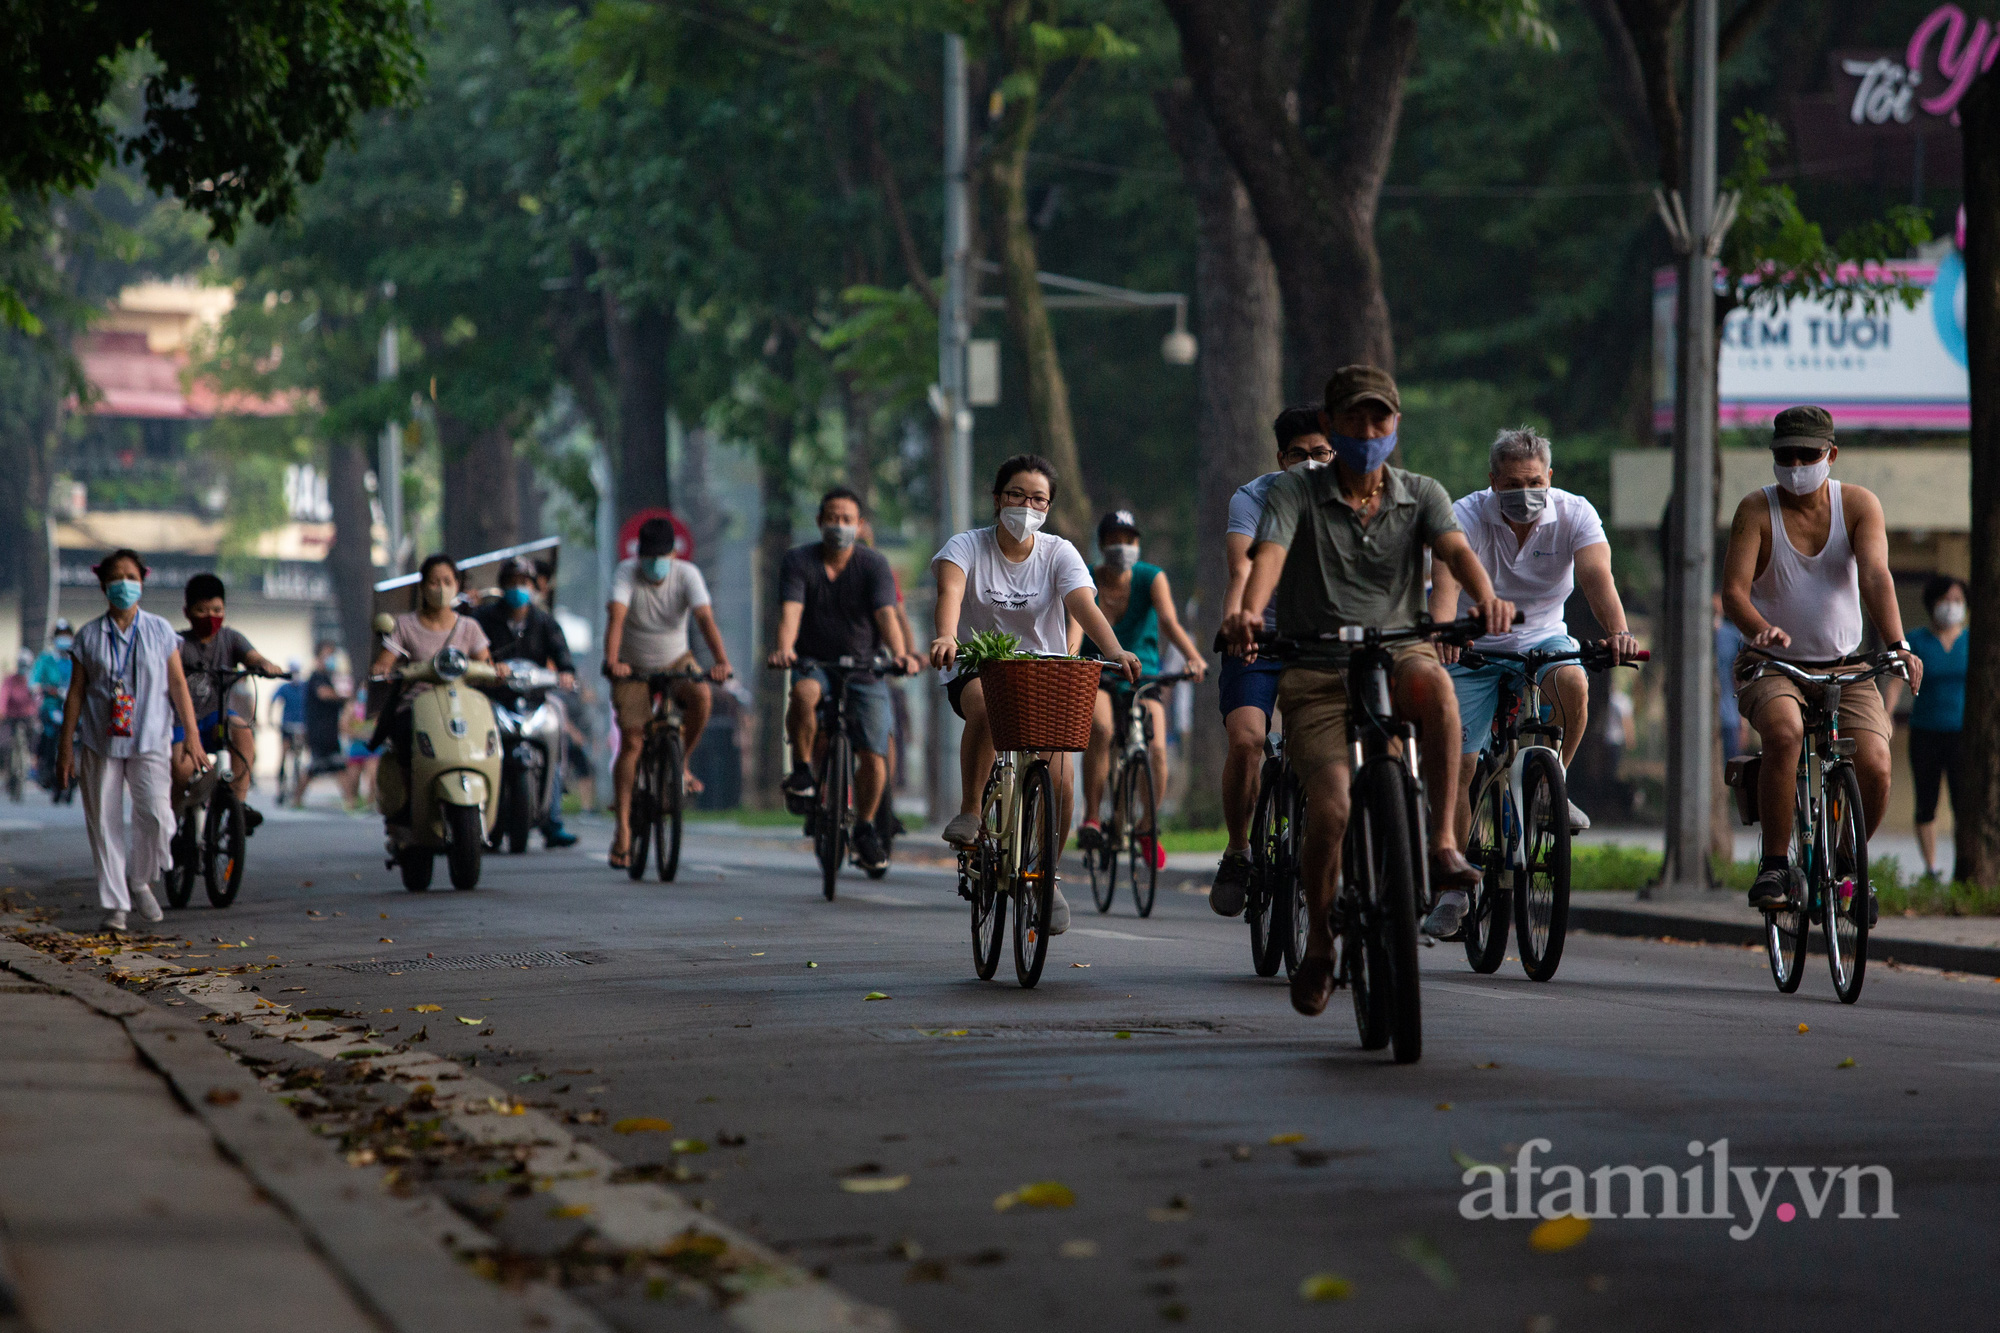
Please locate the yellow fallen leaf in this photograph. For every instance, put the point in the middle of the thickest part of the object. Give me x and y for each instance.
(1848, 1063)
(1041, 1194)
(1325, 1287)
(758, 954)
(1804, 1028)
(1122, 1036)
(874, 1184)
(571, 1210)
(875, 995)
(643, 1124)
(470, 1022)
(688, 1146)
(1280, 1140)
(426, 1008)
(385, 940)
(1444, 1106)
(500, 1107)
(1559, 1233)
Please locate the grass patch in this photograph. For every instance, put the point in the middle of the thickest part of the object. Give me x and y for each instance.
(746, 818)
(1195, 839)
(1609, 868)
(1617, 869)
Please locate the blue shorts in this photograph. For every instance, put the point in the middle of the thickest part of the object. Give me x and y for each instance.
(869, 716)
(211, 729)
(1250, 685)
(1479, 690)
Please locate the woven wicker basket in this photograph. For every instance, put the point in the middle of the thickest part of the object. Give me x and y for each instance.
(1040, 704)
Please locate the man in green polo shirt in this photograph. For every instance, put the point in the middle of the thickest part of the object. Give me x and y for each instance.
(1344, 545)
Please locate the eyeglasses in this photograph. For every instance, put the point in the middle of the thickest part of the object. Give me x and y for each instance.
(1797, 456)
(1015, 498)
(1323, 454)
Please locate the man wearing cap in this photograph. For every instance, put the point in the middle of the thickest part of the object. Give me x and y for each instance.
(1137, 600)
(1805, 556)
(518, 630)
(645, 631)
(1344, 545)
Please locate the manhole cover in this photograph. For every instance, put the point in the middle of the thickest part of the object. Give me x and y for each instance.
(469, 962)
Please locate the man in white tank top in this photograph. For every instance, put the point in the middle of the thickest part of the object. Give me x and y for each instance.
(1805, 556)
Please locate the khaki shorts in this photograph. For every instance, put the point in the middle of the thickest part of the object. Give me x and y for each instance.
(632, 698)
(1313, 701)
(1860, 706)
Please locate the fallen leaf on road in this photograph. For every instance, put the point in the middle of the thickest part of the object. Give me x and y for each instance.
(688, 1146)
(1079, 964)
(1122, 1036)
(1425, 1256)
(426, 1008)
(502, 1107)
(1490, 1064)
(1041, 1194)
(1466, 1162)
(388, 1011)
(1444, 1106)
(1280, 1140)
(1559, 1233)
(811, 964)
(1803, 1028)
(532, 1078)
(1848, 1063)
(385, 940)
(470, 1022)
(571, 1210)
(643, 1124)
(1178, 1209)
(1325, 1287)
(875, 995)
(1078, 1249)
(874, 1184)
(383, 915)
(361, 1157)
(223, 1097)
(758, 954)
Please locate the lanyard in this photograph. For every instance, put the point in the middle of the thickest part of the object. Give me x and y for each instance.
(131, 653)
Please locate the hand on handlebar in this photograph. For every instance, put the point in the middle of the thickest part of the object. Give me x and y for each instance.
(1130, 662)
(618, 670)
(1624, 648)
(781, 657)
(944, 652)
(1448, 652)
(1239, 631)
(720, 672)
(1913, 670)
(1197, 669)
(1771, 637)
(1497, 612)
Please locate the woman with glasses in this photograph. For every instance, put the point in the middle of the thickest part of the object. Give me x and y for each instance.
(1014, 578)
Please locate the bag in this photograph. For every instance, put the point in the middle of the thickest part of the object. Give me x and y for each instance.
(1040, 703)
(1741, 773)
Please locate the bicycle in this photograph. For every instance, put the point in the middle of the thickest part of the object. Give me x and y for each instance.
(1274, 902)
(1014, 856)
(1385, 872)
(209, 833)
(1829, 844)
(294, 762)
(1133, 830)
(1520, 819)
(830, 823)
(659, 788)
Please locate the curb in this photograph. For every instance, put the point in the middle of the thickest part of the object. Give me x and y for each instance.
(394, 1268)
(1647, 923)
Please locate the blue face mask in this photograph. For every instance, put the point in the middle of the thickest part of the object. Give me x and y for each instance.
(518, 597)
(123, 594)
(1362, 455)
(654, 567)
(63, 642)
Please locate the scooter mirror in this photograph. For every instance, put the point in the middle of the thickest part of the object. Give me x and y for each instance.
(385, 623)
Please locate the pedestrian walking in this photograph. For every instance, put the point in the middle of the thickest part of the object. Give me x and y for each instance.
(125, 693)
(1937, 715)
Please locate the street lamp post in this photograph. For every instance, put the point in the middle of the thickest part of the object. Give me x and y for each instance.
(954, 412)
(389, 467)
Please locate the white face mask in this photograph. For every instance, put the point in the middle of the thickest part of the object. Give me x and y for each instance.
(1803, 480)
(1524, 505)
(1022, 522)
(1122, 557)
(1306, 465)
(839, 536)
(1949, 614)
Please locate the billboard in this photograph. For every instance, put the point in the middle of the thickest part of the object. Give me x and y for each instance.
(1901, 370)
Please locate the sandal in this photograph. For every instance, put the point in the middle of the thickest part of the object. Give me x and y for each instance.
(620, 859)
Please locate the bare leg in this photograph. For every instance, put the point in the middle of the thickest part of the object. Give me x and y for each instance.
(1468, 768)
(1326, 826)
(694, 701)
(1246, 728)
(1424, 693)
(623, 772)
(1871, 765)
(1571, 691)
(1782, 731)
(1156, 750)
(1097, 759)
(1059, 770)
(802, 719)
(243, 746)
(975, 750)
(871, 773)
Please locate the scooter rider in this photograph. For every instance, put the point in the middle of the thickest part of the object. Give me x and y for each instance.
(518, 630)
(50, 677)
(419, 636)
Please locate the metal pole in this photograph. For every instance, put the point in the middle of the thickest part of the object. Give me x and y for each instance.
(389, 467)
(955, 424)
(1691, 667)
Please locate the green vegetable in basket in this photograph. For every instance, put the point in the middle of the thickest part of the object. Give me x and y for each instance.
(989, 645)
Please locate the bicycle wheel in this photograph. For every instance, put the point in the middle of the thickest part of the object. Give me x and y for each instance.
(179, 880)
(1486, 848)
(1847, 881)
(989, 903)
(1382, 804)
(1102, 860)
(673, 801)
(1264, 907)
(1363, 961)
(830, 831)
(1541, 886)
(1035, 881)
(222, 847)
(1142, 833)
(1785, 930)
(640, 824)
(1298, 908)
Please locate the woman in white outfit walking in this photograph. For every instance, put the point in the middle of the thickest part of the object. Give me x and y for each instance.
(124, 694)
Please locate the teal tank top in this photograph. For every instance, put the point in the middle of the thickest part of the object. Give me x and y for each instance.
(1138, 630)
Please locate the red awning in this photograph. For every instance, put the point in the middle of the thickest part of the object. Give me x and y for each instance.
(132, 381)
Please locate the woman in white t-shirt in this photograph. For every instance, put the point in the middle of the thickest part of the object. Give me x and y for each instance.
(1008, 578)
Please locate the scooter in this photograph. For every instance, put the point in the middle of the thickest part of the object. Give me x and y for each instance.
(453, 791)
(531, 740)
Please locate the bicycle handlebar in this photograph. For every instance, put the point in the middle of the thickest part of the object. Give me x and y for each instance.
(1591, 657)
(1886, 663)
(881, 664)
(1461, 631)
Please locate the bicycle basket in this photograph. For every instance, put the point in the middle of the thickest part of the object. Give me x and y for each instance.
(1040, 704)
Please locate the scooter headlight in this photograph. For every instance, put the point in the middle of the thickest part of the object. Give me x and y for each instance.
(450, 664)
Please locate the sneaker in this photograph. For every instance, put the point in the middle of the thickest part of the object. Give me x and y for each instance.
(868, 851)
(800, 783)
(1231, 884)
(1448, 916)
(1874, 908)
(1578, 821)
(1771, 891)
(252, 817)
(555, 835)
(114, 923)
(1157, 849)
(1089, 836)
(148, 905)
(1058, 912)
(962, 831)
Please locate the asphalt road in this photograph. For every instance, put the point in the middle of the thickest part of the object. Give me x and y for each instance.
(697, 1003)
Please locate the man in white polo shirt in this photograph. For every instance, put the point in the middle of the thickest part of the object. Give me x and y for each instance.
(1539, 544)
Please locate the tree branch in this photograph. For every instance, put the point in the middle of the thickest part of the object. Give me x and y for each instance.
(1742, 25)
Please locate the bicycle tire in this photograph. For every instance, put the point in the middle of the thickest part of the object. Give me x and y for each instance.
(989, 904)
(1035, 881)
(222, 847)
(667, 823)
(1846, 881)
(1298, 911)
(1486, 848)
(1363, 961)
(186, 847)
(830, 834)
(1541, 885)
(639, 826)
(1785, 931)
(1383, 807)
(1102, 860)
(1142, 834)
(1263, 906)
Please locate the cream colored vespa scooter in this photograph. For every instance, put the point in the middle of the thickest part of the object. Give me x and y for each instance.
(454, 770)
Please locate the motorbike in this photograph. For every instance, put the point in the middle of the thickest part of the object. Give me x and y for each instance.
(531, 745)
(452, 787)
(45, 752)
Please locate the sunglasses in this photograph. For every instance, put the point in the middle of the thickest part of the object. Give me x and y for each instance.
(1791, 456)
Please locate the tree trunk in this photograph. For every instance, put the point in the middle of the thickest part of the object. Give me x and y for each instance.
(482, 510)
(639, 339)
(858, 420)
(774, 539)
(1315, 195)
(351, 560)
(1050, 428)
(30, 413)
(1237, 395)
(1978, 832)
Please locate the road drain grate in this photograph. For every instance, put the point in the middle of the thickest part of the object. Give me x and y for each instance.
(469, 962)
